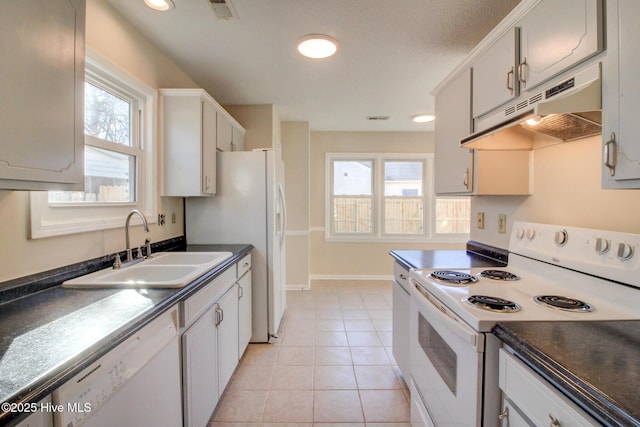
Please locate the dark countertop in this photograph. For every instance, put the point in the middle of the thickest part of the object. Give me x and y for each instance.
(476, 255)
(48, 337)
(595, 364)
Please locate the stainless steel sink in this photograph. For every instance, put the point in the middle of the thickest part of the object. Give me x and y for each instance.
(163, 270)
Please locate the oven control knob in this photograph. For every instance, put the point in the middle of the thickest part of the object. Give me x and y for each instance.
(562, 237)
(520, 233)
(602, 245)
(624, 251)
(531, 233)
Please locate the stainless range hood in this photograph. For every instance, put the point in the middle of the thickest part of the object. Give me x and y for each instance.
(566, 110)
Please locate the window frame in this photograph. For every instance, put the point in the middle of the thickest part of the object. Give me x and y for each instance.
(378, 233)
(54, 219)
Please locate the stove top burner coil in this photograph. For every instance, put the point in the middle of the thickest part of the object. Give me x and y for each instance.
(495, 304)
(563, 303)
(454, 277)
(499, 275)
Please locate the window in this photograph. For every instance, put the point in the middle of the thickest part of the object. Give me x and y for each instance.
(389, 197)
(119, 123)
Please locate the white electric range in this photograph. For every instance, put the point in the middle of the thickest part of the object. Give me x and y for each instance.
(554, 273)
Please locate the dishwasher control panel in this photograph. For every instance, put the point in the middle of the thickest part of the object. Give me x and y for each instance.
(83, 395)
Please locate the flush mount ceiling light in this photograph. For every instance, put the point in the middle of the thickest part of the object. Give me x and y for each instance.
(317, 46)
(423, 118)
(161, 5)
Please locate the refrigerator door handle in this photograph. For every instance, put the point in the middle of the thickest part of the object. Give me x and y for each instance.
(283, 212)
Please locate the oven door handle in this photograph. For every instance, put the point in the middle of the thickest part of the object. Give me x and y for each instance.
(448, 319)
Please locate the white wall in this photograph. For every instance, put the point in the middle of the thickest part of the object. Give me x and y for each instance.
(566, 191)
(295, 153)
(113, 37)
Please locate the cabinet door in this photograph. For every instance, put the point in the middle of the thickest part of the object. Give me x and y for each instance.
(208, 148)
(556, 35)
(227, 336)
(200, 370)
(244, 312)
(453, 164)
(238, 139)
(621, 92)
(225, 134)
(511, 416)
(494, 78)
(41, 82)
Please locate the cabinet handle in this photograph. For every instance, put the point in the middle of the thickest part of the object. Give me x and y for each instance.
(403, 277)
(509, 84)
(554, 421)
(504, 414)
(240, 292)
(522, 72)
(219, 315)
(610, 154)
(206, 183)
(246, 264)
(465, 181)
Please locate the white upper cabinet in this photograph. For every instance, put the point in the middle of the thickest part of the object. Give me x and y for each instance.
(551, 37)
(555, 35)
(230, 133)
(41, 82)
(494, 74)
(462, 171)
(453, 164)
(621, 147)
(189, 139)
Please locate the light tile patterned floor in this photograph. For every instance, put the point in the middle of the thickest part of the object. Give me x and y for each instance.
(332, 363)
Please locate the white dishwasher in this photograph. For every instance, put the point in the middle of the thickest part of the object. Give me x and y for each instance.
(135, 384)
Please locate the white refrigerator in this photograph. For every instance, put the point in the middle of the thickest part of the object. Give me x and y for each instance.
(249, 207)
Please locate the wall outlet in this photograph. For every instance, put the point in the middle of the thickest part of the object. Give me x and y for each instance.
(502, 223)
(480, 220)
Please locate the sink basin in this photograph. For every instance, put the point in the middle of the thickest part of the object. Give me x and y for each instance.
(163, 270)
(187, 258)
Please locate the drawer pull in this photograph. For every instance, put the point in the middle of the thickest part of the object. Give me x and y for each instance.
(554, 421)
(403, 277)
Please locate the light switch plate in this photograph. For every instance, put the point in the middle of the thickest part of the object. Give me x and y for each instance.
(502, 223)
(480, 220)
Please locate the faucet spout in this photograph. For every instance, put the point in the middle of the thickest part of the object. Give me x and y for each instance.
(126, 229)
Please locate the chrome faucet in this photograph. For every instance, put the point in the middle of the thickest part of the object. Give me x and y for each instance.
(126, 231)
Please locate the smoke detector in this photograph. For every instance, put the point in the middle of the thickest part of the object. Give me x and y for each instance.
(223, 9)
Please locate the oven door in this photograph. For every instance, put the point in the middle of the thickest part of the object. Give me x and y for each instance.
(446, 362)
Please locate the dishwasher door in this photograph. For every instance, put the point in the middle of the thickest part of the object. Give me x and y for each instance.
(135, 384)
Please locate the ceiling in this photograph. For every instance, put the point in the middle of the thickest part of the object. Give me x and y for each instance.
(392, 54)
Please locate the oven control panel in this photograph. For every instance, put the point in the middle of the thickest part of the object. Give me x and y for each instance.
(585, 250)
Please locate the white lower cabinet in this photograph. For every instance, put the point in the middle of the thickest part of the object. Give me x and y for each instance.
(227, 308)
(529, 400)
(400, 320)
(200, 369)
(215, 320)
(245, 327)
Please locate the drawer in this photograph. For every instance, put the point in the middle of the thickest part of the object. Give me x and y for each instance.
(198, 303)
(534, 397)
(401, 275)
(243, 266)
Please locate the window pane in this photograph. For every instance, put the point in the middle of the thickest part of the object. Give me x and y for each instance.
(352, 177)
(352, 214)
(109, 177)
(403, 215)
(403, 178)
(106, 116)
(452, 215)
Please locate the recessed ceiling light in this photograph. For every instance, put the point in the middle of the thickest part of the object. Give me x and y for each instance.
(423, 118)
(317, 46)
(161, 5)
